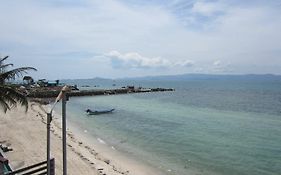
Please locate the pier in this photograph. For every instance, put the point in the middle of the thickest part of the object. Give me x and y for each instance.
(51, 93)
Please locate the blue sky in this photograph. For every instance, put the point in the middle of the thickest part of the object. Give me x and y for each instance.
(127, 38)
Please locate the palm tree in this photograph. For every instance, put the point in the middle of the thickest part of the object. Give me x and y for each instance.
(9, 95)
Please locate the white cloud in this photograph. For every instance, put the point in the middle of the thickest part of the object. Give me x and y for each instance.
(206, 8)
(219, 67)
(135, 60)
(185, 63)
(217, 63)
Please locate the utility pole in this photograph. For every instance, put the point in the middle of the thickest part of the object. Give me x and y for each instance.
(49, 119)
(62, 95)
(64, 133)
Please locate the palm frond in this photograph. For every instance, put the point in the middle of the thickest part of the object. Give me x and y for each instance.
(19, 98)
(5, 65)
(3, 59)
(10, 97)
(18, 72)
(4, 105)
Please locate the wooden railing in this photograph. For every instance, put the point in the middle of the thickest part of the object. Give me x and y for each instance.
(38, 169)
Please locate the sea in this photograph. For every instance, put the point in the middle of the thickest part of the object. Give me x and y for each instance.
(207, 126)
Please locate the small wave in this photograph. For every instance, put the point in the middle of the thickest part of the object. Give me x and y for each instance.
(101, 141)
(113, 147)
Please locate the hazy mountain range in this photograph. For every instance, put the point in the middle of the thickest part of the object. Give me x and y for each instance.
(185, 77)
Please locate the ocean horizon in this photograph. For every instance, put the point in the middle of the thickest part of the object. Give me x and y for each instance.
(206, 126)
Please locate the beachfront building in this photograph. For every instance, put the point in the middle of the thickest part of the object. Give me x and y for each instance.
(45, 83)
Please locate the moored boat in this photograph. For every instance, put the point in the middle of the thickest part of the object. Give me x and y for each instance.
(97, 112)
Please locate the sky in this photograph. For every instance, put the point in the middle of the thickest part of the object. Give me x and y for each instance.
(132, 38)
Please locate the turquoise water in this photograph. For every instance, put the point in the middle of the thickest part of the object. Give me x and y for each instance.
(227, 127)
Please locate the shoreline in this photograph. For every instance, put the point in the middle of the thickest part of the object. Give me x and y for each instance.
(104, 152)
(84, 155)
(115, 156)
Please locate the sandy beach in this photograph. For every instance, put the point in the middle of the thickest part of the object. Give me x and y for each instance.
(25, 133)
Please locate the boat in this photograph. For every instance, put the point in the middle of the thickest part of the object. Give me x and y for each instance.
(97, 112)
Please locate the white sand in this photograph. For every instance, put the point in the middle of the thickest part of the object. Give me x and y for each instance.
(26, 134)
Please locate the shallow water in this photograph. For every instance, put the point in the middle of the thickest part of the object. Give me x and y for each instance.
(223, 127)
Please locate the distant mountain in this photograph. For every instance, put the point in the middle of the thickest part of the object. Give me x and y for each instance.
(89, 79)
(185, 77)
(182, 77)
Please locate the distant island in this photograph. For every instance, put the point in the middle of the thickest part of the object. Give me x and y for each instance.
(184, 77)
(208, 76)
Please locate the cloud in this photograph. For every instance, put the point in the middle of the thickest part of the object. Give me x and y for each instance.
(185, 63)
(175, 36)
(217, 63)
(219, 67)
(136, 60)
(206, 8)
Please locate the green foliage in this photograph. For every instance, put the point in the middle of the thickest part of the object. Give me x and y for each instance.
(9, 95)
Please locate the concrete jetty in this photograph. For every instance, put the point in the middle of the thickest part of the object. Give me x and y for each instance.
(50, 93)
